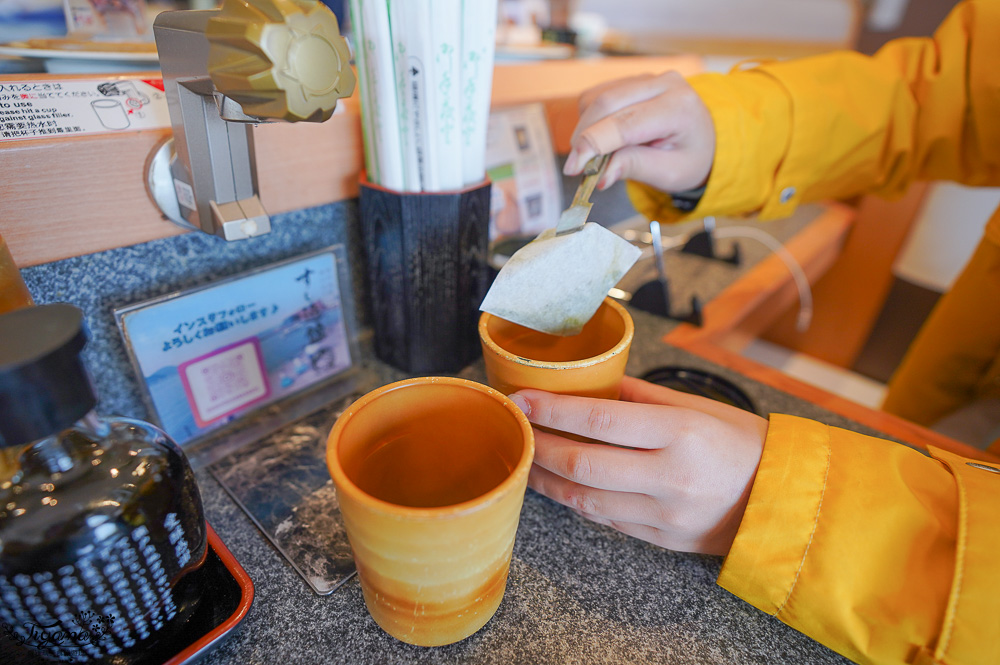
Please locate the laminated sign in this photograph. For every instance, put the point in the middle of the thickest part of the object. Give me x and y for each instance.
(74, 107)
(208, 356)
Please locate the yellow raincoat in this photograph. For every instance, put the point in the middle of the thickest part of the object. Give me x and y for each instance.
(873, 549)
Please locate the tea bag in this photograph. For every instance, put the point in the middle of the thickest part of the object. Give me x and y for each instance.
(555, 283)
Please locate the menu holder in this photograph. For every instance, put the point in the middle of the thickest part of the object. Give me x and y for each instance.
(217, 357)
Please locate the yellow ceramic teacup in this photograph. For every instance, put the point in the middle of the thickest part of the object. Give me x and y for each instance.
(430, 476)
(590, 364)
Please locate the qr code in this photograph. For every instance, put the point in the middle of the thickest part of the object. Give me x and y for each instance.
(225, 381)
(534, 203)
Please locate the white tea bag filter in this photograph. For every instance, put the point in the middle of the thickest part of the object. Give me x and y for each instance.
(554, 284)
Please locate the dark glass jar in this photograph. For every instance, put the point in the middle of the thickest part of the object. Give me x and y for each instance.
(102, 528)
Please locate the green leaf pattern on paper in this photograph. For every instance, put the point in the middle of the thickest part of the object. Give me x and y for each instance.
(470, 74)
(446, 117)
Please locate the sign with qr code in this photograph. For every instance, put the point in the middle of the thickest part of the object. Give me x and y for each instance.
(526, 197)
(212, 354)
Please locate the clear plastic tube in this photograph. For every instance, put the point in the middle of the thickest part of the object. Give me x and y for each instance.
(804, 318)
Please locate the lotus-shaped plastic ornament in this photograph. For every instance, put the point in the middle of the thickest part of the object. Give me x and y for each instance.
(280, 59)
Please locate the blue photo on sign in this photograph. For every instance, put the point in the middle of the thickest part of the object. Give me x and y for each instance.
(209, 356)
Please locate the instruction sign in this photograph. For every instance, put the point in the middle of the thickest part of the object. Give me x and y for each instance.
(74, 107)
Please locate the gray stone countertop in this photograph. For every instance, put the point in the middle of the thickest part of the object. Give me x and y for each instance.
(577, 592)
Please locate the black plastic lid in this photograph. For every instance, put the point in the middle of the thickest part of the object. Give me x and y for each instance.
(698, 382)
(44, 387)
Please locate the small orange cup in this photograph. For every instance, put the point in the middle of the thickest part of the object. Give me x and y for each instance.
(430, 476)
(590, 364)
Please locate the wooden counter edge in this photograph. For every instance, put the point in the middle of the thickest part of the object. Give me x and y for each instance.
(66, 197)
(747, 306)
(887, 423)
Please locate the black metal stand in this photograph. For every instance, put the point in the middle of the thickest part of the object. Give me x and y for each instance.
(703, 244)
(654, 297)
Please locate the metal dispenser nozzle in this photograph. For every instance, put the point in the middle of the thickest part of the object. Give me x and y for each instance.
(224, 70)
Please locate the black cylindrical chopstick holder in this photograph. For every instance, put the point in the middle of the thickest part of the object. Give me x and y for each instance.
(427, 273)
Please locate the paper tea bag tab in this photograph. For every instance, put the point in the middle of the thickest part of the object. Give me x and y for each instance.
(554, 284)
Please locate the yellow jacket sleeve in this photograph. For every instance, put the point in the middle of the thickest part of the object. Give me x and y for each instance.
(875, 550)
(871, 548)
(955, 359)
(842, 124)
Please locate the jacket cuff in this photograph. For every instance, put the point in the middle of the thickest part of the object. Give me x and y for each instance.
(972, 611)
(869, 547)
(751, 113)
(774, 537)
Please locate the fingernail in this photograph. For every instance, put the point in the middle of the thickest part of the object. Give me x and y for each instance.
(521, 403)
(607, 179)
(571, 167)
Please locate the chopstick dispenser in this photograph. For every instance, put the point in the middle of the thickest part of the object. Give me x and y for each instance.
(224, 70)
